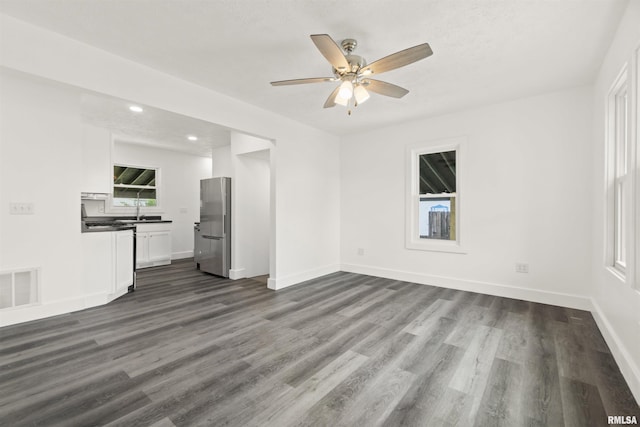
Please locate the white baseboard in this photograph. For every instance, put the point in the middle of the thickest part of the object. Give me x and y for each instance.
(48, 309)
(294, 279)
(95, 300)
(182, 255)
(527, 294)
(629, 368)
(237, 273)
(54, 308)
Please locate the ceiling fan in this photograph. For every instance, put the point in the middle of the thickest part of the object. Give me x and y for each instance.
(354, 73)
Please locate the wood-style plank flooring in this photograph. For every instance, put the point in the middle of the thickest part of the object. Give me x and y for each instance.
(343, 350)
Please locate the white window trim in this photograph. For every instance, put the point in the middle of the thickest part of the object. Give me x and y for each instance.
(412, 235)
(634, 172)
(144, 210)
(611, 180)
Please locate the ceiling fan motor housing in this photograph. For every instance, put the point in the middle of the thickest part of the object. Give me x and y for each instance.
(355, 63)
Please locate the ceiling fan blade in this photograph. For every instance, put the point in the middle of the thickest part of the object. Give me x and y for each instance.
(386, 89)
(330, 50)
(398, 59)
(303, 81)
(331, 100)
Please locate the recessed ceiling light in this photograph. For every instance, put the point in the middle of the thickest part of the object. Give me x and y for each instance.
(135, 109)
(192, 137)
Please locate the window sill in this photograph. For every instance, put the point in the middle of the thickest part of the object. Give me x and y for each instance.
(437, 246)
(132, 210)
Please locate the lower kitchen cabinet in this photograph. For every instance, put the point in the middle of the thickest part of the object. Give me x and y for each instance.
(153, 245)
(123, 260)
(107, 268)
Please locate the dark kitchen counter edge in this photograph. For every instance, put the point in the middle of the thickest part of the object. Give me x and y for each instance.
(102, 229)
(118, 223)
(128, 219)
(146, 221)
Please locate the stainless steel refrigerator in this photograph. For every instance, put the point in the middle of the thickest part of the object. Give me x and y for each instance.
(212, 251)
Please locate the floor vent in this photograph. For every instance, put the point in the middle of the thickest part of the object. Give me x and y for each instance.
(19, 288)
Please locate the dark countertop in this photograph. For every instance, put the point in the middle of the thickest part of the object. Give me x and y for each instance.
(93, 224)
(127, 219)
(103, 228)
(143, 221)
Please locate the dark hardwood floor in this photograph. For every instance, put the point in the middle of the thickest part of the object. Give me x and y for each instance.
(343, 350)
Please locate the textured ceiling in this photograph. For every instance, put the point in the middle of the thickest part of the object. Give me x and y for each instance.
(485, 51)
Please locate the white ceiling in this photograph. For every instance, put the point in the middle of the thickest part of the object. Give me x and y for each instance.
(485, 51)
(153, 127)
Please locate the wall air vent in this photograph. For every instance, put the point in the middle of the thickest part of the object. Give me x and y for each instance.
(19, 288)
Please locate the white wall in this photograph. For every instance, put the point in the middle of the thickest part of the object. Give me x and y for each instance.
(252, 212)
(523, 196)
(221, 162)
(40, 153)
(617, 304)
(247, 160)
(179, 193)
(306, 195)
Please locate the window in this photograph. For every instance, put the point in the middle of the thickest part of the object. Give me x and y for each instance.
(433, 197)
(437, 206)
(619, 206)
(621, 179)
(134, 186)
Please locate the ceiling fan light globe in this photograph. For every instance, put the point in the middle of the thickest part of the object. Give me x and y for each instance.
(360, 94)
(346, 90)
(341, 101)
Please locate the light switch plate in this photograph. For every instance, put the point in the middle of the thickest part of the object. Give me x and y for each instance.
(21, 208)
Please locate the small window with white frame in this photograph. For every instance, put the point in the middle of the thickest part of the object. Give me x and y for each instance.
(433, 197)
(619, 183)
(135, 186)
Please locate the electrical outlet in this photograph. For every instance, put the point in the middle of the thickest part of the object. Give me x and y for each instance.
(522, 267)
(21, 208)
(360, 251)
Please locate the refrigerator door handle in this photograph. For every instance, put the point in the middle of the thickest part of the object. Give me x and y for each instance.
(212, 237)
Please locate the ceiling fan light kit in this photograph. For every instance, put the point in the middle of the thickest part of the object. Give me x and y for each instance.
(361, 94)
(353, 72)
(346, 90)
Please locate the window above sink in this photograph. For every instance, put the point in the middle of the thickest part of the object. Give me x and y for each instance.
(135, 186)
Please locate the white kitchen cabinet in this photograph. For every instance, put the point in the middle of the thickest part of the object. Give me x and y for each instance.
(107, 267)
(153, 244)
(97, 265)
(96, 160)
(123, 256)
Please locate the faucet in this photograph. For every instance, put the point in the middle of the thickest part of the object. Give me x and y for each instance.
(138, 206)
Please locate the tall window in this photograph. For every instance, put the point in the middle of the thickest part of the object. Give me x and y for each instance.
(134, 186)
(618, 176)
(433, 197)
(621, 181)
